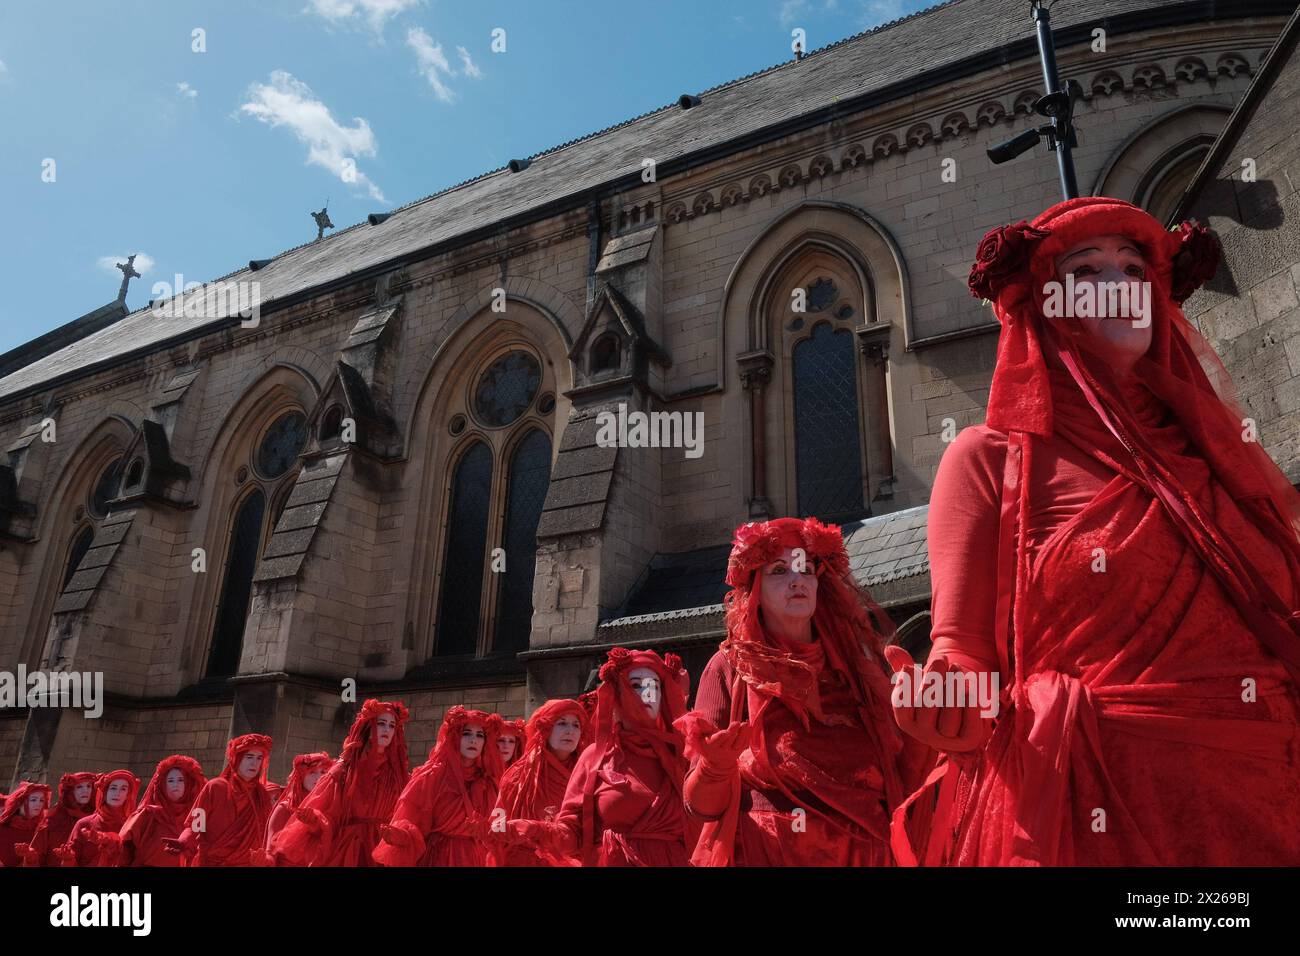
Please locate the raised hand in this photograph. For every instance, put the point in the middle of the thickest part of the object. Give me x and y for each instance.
(954, 729)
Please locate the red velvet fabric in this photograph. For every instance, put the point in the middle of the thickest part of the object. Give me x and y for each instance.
(1162, 692)
(158, 818)
(442, 816)
(17, 829)
(95, 839)
(533, 787)
(337, 823)
(235, 812)
(295, 791)
(56, 826)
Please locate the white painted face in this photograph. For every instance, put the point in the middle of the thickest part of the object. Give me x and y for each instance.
(35, 804)
(174, 785)
(472, 739)
(250, 765)
(646, 685)
(385, 728)
(115, 795)
(565, 736)
(1118, 340)
(507, 743)
(309, 782)
(82, 793)
(788, 591)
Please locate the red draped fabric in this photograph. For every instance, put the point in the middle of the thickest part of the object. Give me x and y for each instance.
(295, 791)
(56, 826)
(442, 816)
(234, 812)
(160, 818)
(337, 823)
(16, 828)
(95, 839)
(1151, 711)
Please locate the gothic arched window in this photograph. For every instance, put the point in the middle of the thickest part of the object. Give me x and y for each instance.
(828, 455)
(81, 542)
(266, 478)
(498, 482)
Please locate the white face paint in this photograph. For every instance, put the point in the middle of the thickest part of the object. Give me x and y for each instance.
(250, 765)
(507, 744)
(115, 795)
(82, 793)
(646, 685)
(35, 804)
(472, 739)
(174, 785)
(309, 782)
(385, 728)
(565, 735)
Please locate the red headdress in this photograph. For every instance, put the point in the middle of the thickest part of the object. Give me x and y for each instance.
(359, 738)
(295, 791)
(1014, 265)
(447, 749)
(16, 801)
(112, 818)
(243, 744)
(155, 793)
(68, 784)
(529, 772)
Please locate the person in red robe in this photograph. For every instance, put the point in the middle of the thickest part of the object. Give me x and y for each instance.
(511, 741)
(338, 823)
(23, 811)
(533, 787)
(306, 773)
(1117, 548)
(797, 760)
(95, 840)
(228, 827)
(623, 805)
(76, 800)
(442, 816)
(163, 813)
(275, 790)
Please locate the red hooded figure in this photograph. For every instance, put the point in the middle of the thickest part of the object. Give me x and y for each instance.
(163, 814)
(96, 839)
(533, 787)
(1115, 545)
(56, 826)
(796, 759)
(337, 824)
(296, 790)
(513, 735)
(19, 820)
(623, 805)
(228, 822)
(442, 816)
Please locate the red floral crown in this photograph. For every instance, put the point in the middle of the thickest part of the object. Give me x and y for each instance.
(621, 660)
(245, 743)
(758, 543)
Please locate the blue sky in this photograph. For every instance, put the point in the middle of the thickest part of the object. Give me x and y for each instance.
(200, 161)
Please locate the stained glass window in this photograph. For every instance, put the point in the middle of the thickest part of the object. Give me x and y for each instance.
(237, 588)
(282, 444)
(530, 476)
(507, 388)
(462, 565)
(828, 460)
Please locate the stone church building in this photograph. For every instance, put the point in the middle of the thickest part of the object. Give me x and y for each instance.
(394, 476)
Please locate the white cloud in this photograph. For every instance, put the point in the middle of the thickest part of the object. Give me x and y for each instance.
(467, 64)
(432, 62)
(184, 89)
(375, 12)
(287, 101)
(144, 263)
(3, 68)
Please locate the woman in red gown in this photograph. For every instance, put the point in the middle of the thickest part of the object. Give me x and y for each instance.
(96, 839)
(796, 757)
(76, 800)
(1117, 547)
(533, 788)
(442, 816)
(163, 813)
(511, 741)
(338, 823)
(23, 811)
(228, 825)
(306, 773)
(623, 805)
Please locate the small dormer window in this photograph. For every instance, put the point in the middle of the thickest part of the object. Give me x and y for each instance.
(331, 425)
(606, 353)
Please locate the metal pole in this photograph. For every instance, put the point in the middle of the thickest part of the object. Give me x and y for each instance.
(1052, 83)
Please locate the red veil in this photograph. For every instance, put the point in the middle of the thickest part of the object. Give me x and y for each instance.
(441, 817)
(235, 811)
(533, 786)
(295, 790)
(158, 818)
(56, 826)
(775, 683)
(518, 730)
(337, 823)
(17, 830)
(1126, 688)
(95, 839)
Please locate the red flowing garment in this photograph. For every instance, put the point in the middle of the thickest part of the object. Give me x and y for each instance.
(824, 769)
(16, 828)
(235, 812)
(159, 818)
(337, 823)
(295, 791)
(442, 816)
(56, 826)
(1151, 712)
(95, 839)
(623, 805)
(533, 787)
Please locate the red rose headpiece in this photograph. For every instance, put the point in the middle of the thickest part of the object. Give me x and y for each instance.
(15, 802)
